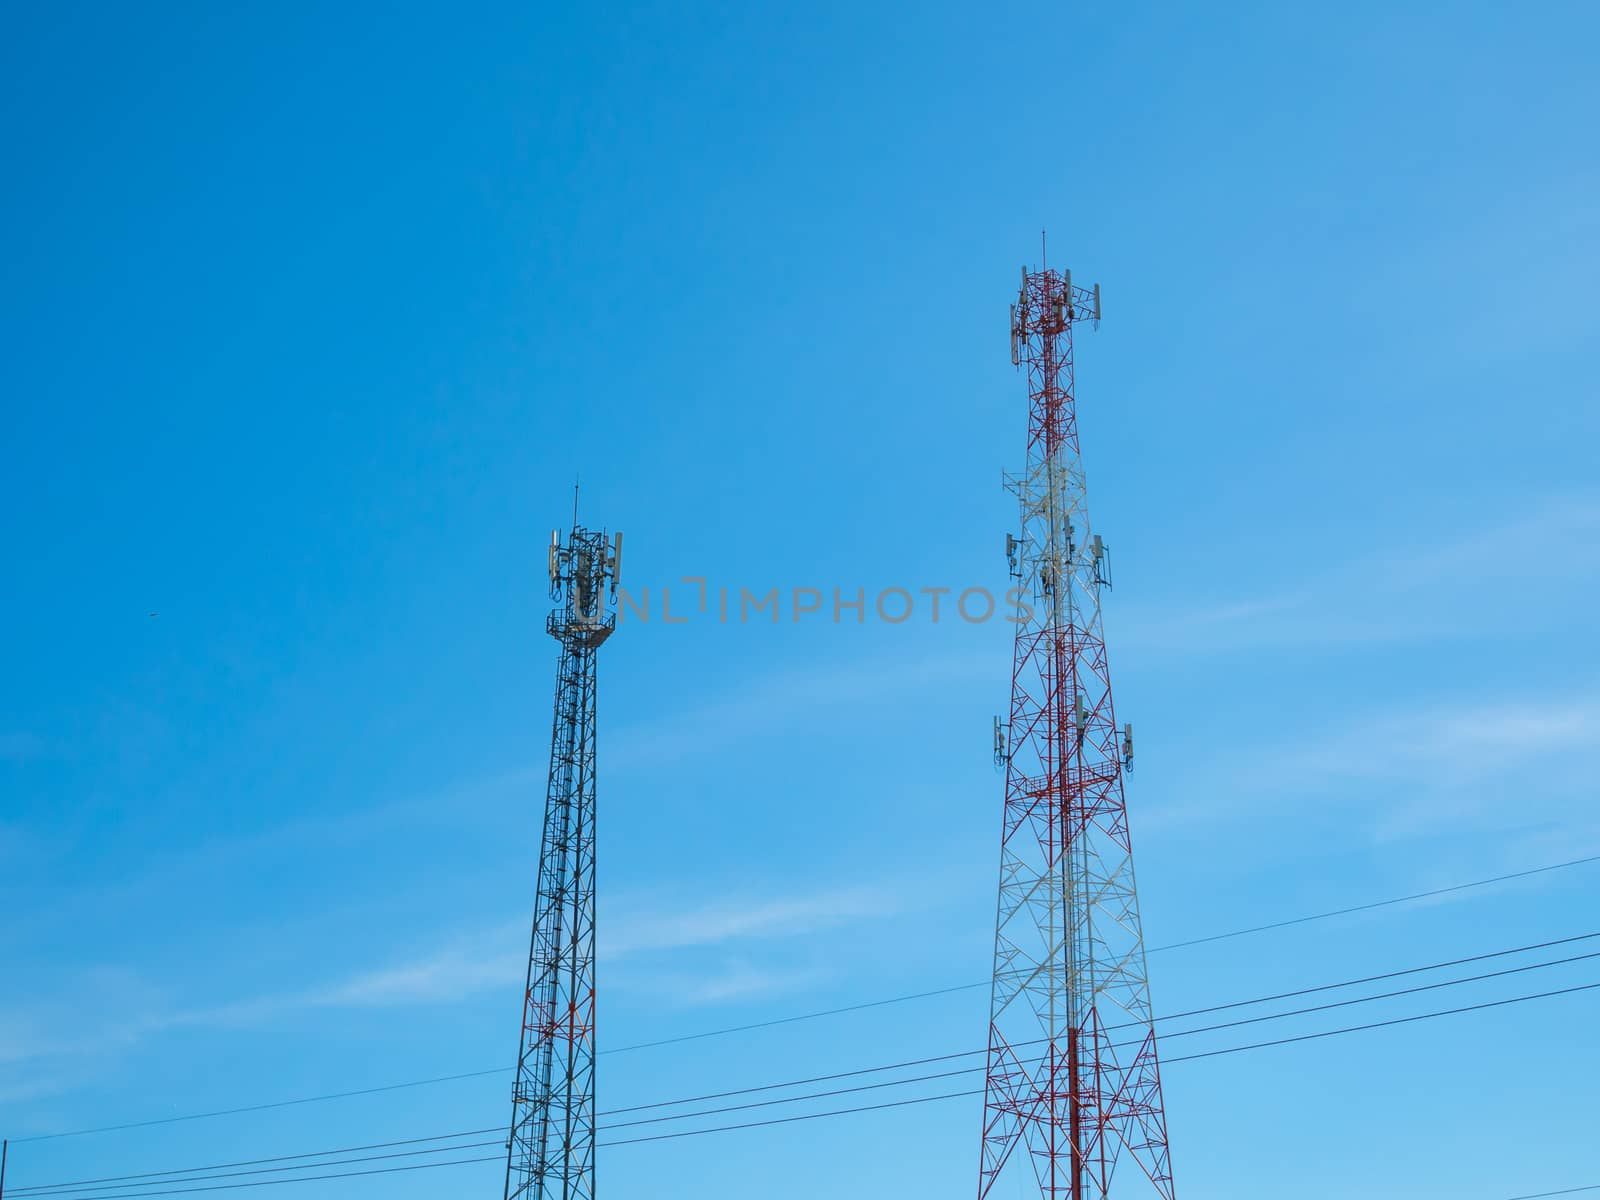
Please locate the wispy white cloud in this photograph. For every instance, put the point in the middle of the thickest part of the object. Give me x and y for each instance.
(1576, 837)
(742, 919)
(65, 1017)
(199, 865)
(449, 973)
(1558, 538)
(487, 958)
(726, 983)
(1474, 766)
(775, 702)
(1519, 767)
(22, 1090)
(1451, 585)
(743, 946)
(452, 974)
(1453, 744)
(1540, 238)
(21, 1036)
(1514, 766)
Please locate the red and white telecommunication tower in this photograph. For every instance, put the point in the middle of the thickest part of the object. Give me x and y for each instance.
(1073, 1090)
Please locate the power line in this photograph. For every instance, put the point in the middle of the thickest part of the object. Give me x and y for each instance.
(1200, 941)
(1573, 1191)
(919, 1062)
(1216, 937)
(1356, 908)
(1185, 1058)
(771, 1121)
(1328, 987)
(43, 1188)
(1123, 1045)
(253, 1162)
(810, 1016)
(862, 1087)
(42, 1191)
(1446, 1012)
(838, 1112)
(60, 1190)
(225, 1187)
(1424, 987)
(250, 1108)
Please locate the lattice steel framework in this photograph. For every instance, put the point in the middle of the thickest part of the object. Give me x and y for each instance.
(1073, 1081)
(550, 1150)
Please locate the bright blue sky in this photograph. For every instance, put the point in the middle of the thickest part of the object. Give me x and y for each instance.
(312, 313)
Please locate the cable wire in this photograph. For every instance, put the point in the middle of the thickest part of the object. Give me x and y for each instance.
(1165, 1062)
(43, 1191)
(344, 1162)
(1216, 937)
(1356, 908)
(918, 1062)
(138, 1195)
(226, 1187)
(1446, 1012)
(1116, 1046)
(128, 1180)
(251, 1108)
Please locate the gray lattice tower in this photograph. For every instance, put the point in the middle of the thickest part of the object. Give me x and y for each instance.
(550, 1151)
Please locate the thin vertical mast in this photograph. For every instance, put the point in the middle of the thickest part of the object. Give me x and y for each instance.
(551, 1147)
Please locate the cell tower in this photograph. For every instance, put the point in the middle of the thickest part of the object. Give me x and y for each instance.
(1073, 1085)
(550, 1151)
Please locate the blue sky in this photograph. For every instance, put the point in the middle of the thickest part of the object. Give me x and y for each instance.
(314, 312)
